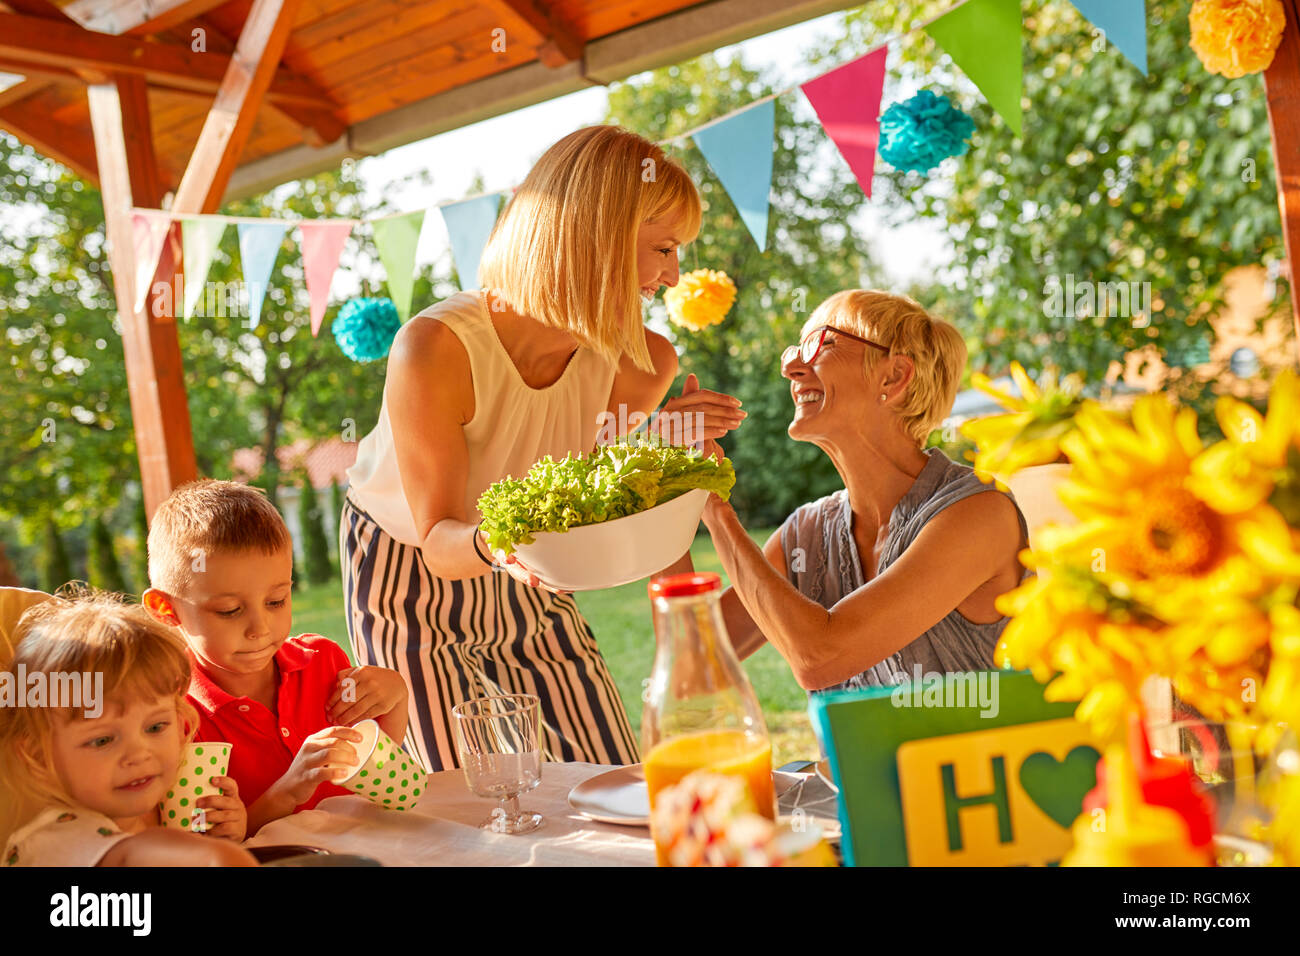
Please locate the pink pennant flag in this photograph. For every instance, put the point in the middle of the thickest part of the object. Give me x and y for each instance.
(322, 244)
(847, 101)
(148, 235)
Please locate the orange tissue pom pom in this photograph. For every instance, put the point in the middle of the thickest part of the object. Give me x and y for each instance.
(700, 299)
(1236, 37)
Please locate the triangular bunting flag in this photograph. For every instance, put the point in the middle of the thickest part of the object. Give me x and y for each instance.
(322, 244)
(847, 101)
(469, 223)
(740, 151)
(396, 239)
(983, 38)
(1124, 23)
(148, 233)
(199, 241)
(259, 244)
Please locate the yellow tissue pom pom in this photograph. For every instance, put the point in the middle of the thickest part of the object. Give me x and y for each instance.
(1236, 37)
(700, 299)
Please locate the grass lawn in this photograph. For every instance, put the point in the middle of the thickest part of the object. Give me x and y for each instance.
(621, 620)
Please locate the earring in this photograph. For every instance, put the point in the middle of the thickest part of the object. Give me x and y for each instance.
(884, 397)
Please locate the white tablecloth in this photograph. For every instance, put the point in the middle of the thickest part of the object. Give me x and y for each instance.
(443, 829)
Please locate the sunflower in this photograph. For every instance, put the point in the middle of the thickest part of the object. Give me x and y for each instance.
(1153, 579)
(1091, 641)
(1030, 434)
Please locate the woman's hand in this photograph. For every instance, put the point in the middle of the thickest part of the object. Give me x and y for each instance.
(715, 512)
(696, 415)
(521, 572)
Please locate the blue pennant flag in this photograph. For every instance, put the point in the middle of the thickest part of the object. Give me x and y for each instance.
(259, 244)
(1124, 23)
(740, 151)
(469, 223)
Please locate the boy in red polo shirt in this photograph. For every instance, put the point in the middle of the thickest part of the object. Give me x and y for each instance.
(221, 569)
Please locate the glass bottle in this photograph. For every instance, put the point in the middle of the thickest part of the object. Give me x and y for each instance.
(700, 710)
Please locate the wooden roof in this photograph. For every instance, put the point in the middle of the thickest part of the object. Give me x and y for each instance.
(356, 76)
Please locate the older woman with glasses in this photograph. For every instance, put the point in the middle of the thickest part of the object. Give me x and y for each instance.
(896, 575)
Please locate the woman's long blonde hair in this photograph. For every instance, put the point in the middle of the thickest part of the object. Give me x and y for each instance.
(564, 251)
(84, 631)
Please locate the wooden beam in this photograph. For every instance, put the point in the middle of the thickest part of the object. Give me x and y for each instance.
(137, 130)
(44, 9)
(1282, 81)
(555, 40)
(696, 30)
(70, 145)
(225, 131)
(155, 376)
(317, 126)
(163, 64)
(21, 91)
(138, 17)
(47, 10)
(40, 71)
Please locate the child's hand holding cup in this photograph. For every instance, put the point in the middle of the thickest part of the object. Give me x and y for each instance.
(384, 773)
(200, 762)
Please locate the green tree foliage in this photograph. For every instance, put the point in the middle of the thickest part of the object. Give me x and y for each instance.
(104, 570)
(1119, 178)
(55, 567)
(140, 555)
(67, 447)
(811, 253)
(315, 544)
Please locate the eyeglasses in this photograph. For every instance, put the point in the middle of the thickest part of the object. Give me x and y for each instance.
(812, 344)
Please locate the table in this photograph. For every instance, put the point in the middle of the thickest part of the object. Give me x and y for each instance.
(442, 830)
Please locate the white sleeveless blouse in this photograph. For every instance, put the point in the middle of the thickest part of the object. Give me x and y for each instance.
(513, 426)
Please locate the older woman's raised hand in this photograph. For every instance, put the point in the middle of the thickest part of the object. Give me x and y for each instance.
(697, 415)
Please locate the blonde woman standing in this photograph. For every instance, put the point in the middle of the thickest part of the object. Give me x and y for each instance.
(481, 386)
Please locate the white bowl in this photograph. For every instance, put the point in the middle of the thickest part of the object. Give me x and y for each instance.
(620, 551)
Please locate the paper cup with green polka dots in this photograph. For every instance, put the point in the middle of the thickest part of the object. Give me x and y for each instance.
(384, 773)
(202, 762)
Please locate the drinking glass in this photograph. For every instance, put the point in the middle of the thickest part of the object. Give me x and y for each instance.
(497, 741)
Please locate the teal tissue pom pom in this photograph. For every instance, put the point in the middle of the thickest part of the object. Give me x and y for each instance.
(920, 133)
(364, 328)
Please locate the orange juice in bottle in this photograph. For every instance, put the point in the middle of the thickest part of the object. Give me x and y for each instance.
(701, 712)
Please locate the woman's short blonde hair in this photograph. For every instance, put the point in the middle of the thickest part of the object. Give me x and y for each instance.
(564, 251)
(936, 348)
(82, 631)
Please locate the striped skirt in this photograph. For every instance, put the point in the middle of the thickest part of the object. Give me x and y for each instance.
(459, 640)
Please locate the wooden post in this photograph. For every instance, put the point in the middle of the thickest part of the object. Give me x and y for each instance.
(1282, 81)
(155, 378)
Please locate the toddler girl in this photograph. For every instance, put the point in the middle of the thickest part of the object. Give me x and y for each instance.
(101, 759)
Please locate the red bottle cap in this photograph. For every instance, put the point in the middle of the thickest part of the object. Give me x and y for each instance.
(684, 585)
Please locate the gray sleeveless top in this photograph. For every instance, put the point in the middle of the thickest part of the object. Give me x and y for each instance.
(831, 569)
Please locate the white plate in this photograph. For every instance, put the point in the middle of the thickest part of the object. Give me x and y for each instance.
(620, 551)
(619, 796)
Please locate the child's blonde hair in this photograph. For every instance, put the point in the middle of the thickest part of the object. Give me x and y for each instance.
(564, 251)
(205, 516)
(83, 631)
(936, 348)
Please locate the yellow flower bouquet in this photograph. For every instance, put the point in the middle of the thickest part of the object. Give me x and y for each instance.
(1183, 562)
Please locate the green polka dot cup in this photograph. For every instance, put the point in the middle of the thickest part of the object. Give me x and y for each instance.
(384, 773)
(202, 762)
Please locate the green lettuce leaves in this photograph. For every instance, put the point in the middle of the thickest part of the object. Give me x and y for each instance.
(613, 482)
